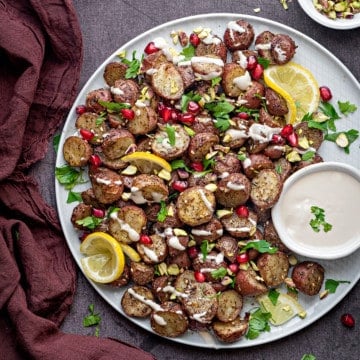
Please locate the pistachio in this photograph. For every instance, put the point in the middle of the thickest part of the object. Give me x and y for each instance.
(324, 294)
(211, 187)
(162, 268)
(334, 9)
(173, 269)
(180, 232)
(130, 170)
(342, 140)
(223, 212)
(164, 174)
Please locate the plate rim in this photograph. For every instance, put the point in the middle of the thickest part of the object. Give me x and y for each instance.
(220, 16)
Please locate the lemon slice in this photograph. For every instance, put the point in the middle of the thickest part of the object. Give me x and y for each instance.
(297, 85)
(132, 254)
(104, 259)
(285, 309)
(147, 163)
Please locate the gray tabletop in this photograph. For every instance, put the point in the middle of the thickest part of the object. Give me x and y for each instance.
(107, 25)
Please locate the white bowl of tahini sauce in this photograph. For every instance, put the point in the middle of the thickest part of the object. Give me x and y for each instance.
(318, 212)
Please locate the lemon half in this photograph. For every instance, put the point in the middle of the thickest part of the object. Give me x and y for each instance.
(297, 85)
(147, 163)
(104, 259)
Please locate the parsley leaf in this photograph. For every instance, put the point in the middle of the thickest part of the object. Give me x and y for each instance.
(179, 164)
(262, 246)
(188, 52)
(331, 285)
(73, 196)
(114, 106)
(319, 220)
(92, 319)
(351, 136)
(308, 155)
(346, 108)
(163, 213)
(263, 61)
(220, 110)
(273, 295)
(90, 222)
(215, 81)
(219, 273)
(186, 98)
(258, 322)
(308, 357)
(205, 248)
(170, 130)
(68, 176)
(133, 66)
(56, 141)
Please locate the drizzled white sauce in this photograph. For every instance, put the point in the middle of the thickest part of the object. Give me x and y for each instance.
(199, 232)
(170, 289)
(174, 242)
(199, 317)
(281, 54)
(116, 91)
(243, 82)
(262, 133)
(103, 181)
(159, 320)
(205, 200)
(207, 60)
(233, 186)
(236, 134)
(144, 300)
(132, 233)
(151, 254)
(246, 163)
(242, 59)
(266, 46)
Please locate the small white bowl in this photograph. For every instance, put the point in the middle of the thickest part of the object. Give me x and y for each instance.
(338, 24)
(332, 187)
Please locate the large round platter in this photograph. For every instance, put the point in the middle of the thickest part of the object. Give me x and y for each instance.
(329, 71)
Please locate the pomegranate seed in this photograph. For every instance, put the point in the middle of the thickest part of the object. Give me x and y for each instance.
(348, 320)
(95, 160)
(166, 113)
(243, 115)
(197, 166)
(193, 107)
(234, 268)
(193, 252)
(242, 211)
(80, 109)
(278, 139)
(242, 258)
(199, 276)
(293, 139)
(128, 114)
(86, 134)
(257, 72)
(150, 48)
(325, 93)
(175, 115)
(251, 62)
(194, 39)
(286, 131)
(180, 185)
(187, 118)
(145, 239)
(99, 213)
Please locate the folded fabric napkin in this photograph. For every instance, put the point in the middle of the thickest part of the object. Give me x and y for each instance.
(40, 61)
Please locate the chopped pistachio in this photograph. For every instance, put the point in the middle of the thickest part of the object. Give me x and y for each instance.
(211, 187)
(164, 174)
(342, 140)
(130, 170)
(173, 269)
(223, 212)
(323, 294)
(292, 260)
(180, 232)
(162, 268)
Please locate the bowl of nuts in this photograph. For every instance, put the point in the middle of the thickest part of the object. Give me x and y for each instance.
(335, 14)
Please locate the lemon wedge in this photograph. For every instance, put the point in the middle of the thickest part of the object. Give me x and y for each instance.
(146, 162)
(297, 85)
(104, 259)
(132, 254)
(285, 309)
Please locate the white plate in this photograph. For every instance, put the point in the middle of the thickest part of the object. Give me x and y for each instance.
(329, 71)
(338, 24)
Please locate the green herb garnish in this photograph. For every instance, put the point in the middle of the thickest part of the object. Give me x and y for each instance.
(308, 357)
(331, 285)
(186, 98)
(92, 319)
(133, 66)
(220, 110)
(219, 273)
(90, 222)
(170, 130)
(262, 246)
(68, 176)
(188, 52)
(308, 155)
(73, 196)
(258, 322)
(346, 107)
(273, 295)
(56, 141)
(114, 107)
(205, 248)
(163, 213)
(319, 220)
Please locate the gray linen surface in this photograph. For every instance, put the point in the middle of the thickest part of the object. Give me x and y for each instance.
(106, 25)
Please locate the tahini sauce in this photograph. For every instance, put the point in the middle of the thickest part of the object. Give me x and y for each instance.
(338, 193)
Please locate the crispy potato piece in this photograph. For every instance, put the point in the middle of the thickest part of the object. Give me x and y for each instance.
(230, 305)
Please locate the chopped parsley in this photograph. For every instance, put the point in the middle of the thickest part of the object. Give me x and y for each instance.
(90, 222)
(73, 196)
(188, 52)
(346, 107)
(319, 220)
(331, 285)
(262, 246)
(56, 141)
(205, 248)
(133, 66)
(258, 322)
(92, 319)
(273, 295)
(170, 130)
(163, 213)
(220, 110)
(68, 176)
(114, 107)
(186, 98)
(219, 273)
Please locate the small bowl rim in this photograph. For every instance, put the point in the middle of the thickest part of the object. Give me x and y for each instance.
(338, 24)
(336, 252)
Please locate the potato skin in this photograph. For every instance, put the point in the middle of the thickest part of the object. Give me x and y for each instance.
(134, 307)
(246, 283)
(230, 305)
(76, 151)
(230, 332)
(273, 268)
(308, 277)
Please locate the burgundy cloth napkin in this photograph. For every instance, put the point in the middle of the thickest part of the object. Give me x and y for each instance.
(40, 61)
